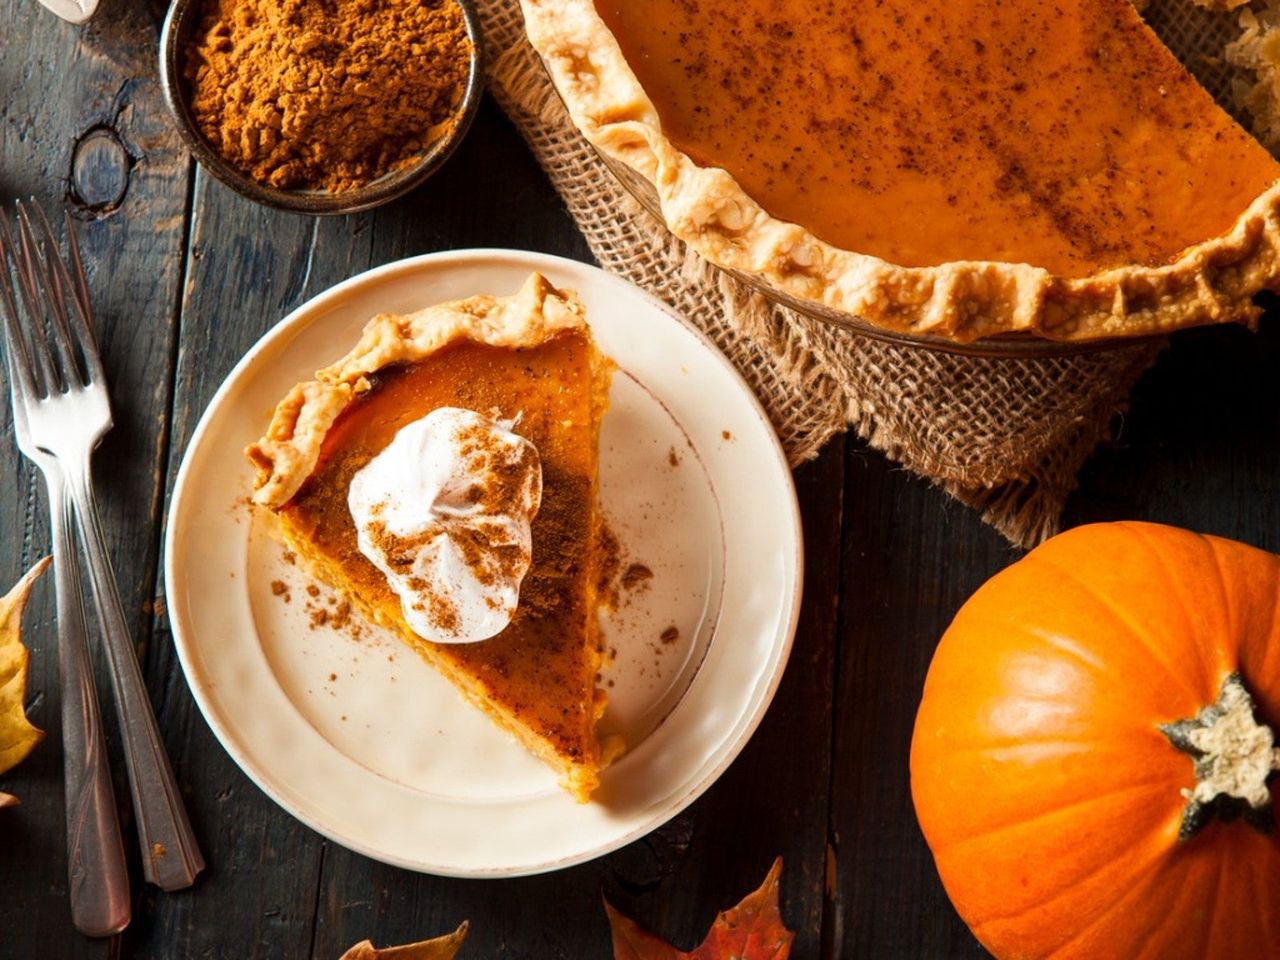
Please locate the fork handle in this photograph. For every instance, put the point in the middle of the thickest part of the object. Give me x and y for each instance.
(97, 873)
(171, 858)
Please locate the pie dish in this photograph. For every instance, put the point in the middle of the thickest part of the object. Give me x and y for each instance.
(962, 170)
(528, 359)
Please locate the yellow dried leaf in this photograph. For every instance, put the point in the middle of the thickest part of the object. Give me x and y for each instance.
(17, 735)
(441, 948)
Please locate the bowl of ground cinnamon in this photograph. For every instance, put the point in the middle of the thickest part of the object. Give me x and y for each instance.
(322, 106)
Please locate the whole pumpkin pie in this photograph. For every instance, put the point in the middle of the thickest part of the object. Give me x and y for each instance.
(480, 418)
(961, 169)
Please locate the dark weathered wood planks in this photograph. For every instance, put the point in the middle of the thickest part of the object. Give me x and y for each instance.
(910, 557)
(1200, 445)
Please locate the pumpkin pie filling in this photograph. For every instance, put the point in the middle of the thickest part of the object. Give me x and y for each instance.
(537, 677)
(1060, 134)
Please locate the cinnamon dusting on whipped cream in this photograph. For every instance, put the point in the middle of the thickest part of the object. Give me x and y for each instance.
(446, 512)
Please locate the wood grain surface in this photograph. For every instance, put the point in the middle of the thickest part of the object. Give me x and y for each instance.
(186, 275)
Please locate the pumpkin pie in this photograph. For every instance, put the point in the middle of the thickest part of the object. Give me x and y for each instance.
(529, 362)
(961, 169)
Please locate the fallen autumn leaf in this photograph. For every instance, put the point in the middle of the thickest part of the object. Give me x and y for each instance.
(441, 948)
(753, 930)
(17, 735)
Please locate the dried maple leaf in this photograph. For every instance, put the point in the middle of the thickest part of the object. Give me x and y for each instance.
(441, 948)
(17, 735)
(753, 930)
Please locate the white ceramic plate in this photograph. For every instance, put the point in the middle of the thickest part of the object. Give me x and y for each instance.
(364, 742)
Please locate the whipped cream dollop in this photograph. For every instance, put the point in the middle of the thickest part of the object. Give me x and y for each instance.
(446, 511)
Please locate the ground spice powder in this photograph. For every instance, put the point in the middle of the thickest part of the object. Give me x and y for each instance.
(325, 94)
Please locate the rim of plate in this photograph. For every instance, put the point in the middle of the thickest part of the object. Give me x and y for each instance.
(738, 733)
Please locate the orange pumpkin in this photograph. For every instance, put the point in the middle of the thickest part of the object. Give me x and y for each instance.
(1087, 767)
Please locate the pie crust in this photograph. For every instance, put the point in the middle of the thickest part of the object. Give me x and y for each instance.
(963, 300)
(528, 358)
(287, 454)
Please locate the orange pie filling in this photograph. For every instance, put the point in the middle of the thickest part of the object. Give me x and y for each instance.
(1060, 134)
(537, 677)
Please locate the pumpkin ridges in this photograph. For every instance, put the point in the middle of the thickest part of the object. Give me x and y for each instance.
(1056, 643)
(1246, 927)
(1105, 670)
(1212, 670)
(1090, 775)
(1013, 743)
(1106, 771)
(1142, 876)
(1183, 898)
(1102, 781)
(1261, 875)
(1012, 632)
(1271, 656)
(1229, 607)
(1264, 905)
(1150, 644)
(1019, 862)
(1221, 847)
(1218, 912)
(1001, 626)
(945, 848)
(1206, 929)
(1261, 677)
(1078, 884)
(1072, 948)
(1173, 886)
(1271, 665)
(1063, 645)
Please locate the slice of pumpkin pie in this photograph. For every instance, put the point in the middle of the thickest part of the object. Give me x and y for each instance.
(442, 477)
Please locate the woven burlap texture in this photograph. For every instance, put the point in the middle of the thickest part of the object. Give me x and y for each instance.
(1006, 436)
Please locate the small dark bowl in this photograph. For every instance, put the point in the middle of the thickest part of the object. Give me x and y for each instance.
(179, 23)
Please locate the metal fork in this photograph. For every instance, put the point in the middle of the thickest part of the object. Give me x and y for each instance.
(99, 879)
(59, 382)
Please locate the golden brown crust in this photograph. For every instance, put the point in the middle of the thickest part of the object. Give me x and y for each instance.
(286, 454)
(1210, 282)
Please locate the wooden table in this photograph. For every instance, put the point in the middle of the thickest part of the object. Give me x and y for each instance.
(186, 275)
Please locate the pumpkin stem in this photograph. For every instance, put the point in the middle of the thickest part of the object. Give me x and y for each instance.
(1234, 755)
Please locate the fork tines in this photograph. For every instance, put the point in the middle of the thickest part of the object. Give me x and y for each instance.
(49, 294)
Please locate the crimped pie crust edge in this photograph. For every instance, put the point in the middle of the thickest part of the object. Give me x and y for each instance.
(285, 456)
(1212, 282)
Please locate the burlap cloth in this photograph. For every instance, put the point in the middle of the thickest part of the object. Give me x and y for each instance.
(1006, 436)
